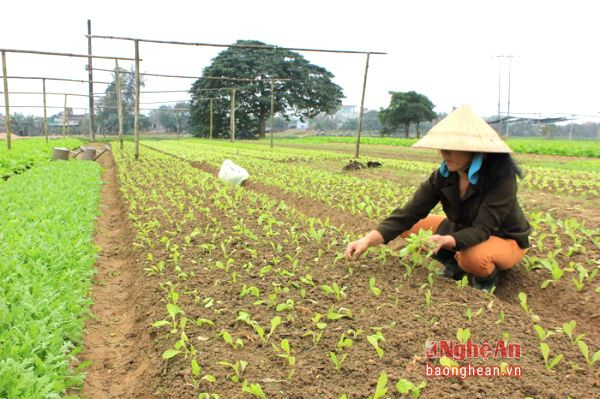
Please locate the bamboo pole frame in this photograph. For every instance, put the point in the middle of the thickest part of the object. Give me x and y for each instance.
(5, 78)
(368, 53)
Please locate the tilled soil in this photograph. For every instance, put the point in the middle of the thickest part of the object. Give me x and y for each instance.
(126, 352)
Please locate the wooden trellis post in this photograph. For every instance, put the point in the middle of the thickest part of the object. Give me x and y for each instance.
(136, 119)
(272, 109)
(90, 84)
(119, 103)
(211, 119)
(45, 112)
(65, 118)
(6, 105)
(232, 116)
(362, 106)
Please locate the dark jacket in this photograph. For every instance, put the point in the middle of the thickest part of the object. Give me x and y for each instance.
(486, 209)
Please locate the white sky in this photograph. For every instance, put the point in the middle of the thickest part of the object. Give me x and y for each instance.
(443, 49)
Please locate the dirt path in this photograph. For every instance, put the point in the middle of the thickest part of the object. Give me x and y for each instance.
(117, 336)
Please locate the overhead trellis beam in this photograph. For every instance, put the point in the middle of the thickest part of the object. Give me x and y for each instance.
(254, 46)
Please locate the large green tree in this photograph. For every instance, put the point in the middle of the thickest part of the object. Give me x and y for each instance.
(308, 92)
(406, 108)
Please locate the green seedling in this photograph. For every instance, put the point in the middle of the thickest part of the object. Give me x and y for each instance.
(526, 308)
(374, 341)
(159, 268)
(264, 270)
(501, 317)
(317, 320)
(337, 362)
(545, 350)
(196, 369)
(463, 335)
(542, 334)
(447, 362)
(405, 387)
(287, 305)
(275, 322)
(583, 277)
(250, 290)
(208, 302)
(245, 317)
(253, 389)
(238, 344)
(287, 352)
(182, 346)
(344, 342)
(376, 291)
(555, 270)
(206, 395)
(523, 302)
(201, 322)
(316, 336)
(381, 387)
(173, 310)
(332, 314)
(470, 315)
(462, 283)
(170, 353)
(585, 351)
(427, 297)
(308, 280)
(237, 367)
(334, 290)
(569, 330)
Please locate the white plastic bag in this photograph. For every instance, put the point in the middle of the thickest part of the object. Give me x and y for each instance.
(232, 173)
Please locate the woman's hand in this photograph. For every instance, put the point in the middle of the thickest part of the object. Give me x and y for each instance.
(356, 249)
(446, 241)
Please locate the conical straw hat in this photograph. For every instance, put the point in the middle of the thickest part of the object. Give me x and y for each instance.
(463, 130)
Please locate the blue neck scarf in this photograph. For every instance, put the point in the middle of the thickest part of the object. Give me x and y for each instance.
(473, 169)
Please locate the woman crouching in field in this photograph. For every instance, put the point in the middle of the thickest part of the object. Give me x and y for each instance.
(484, 228)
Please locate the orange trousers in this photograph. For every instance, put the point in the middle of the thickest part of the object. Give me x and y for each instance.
(480, 259)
